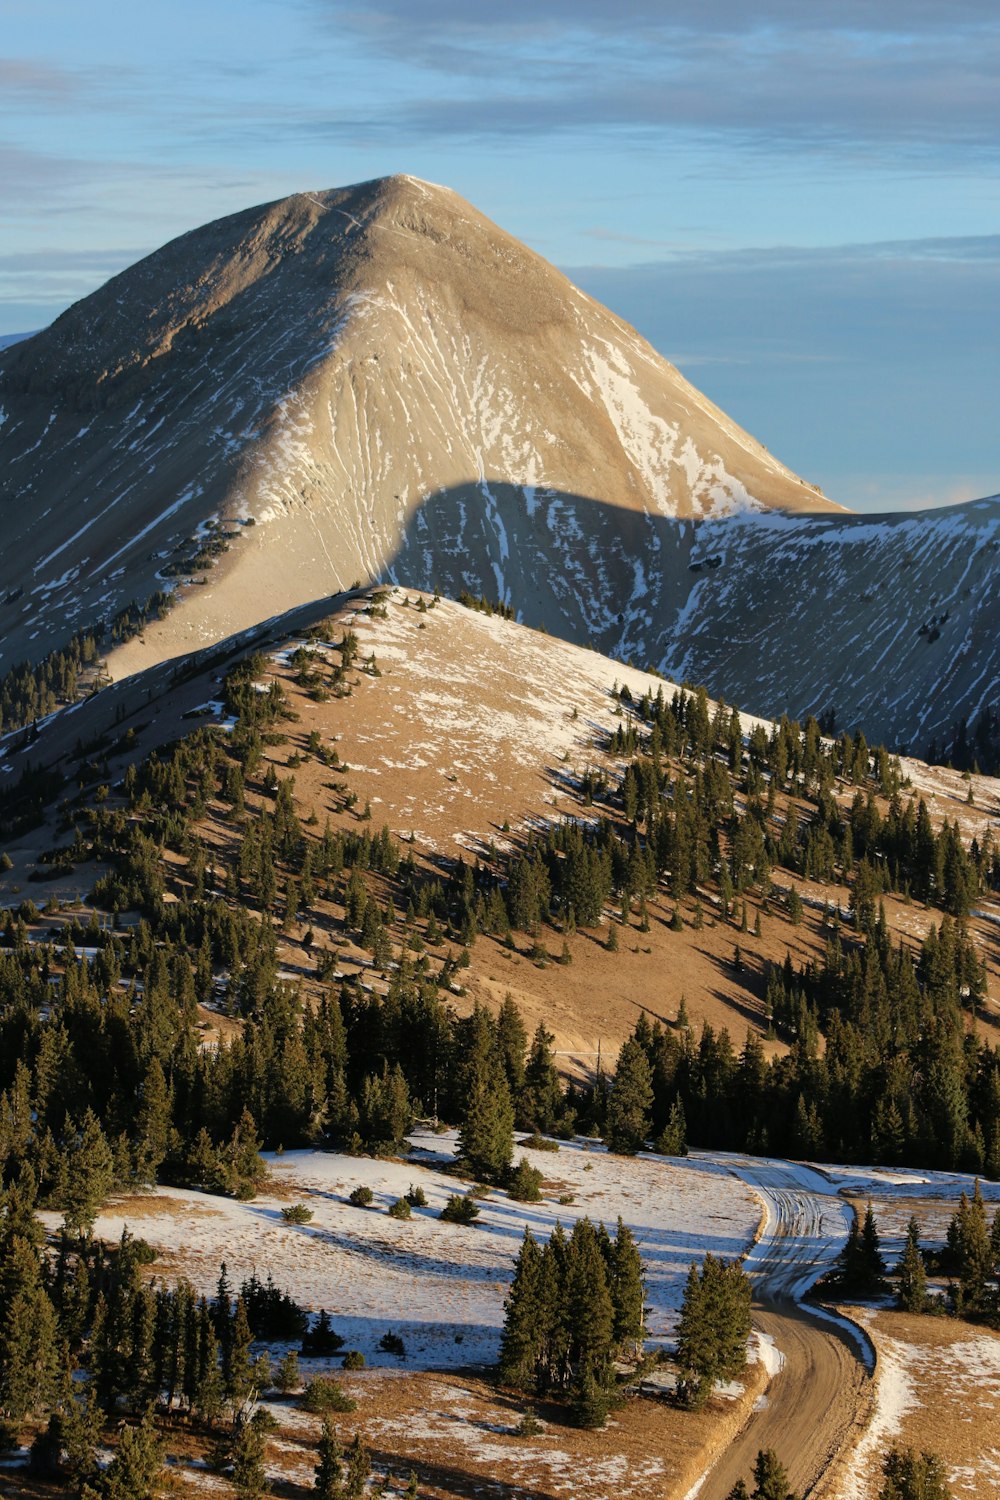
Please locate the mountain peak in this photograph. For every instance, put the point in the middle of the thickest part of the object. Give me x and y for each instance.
(386, 384)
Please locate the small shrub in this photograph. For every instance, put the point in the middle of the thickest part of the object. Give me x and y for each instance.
(391, 1343)
(400, 1209)
(525, 1183)
(566, 1198)
(529, 1425)
(416, 1197)
(287, 1376)
(354, 1360)
(361, 1197)
(459, 1210)
(326, 1394)
(590, 1404)
(538, 1142)
(296, 1213)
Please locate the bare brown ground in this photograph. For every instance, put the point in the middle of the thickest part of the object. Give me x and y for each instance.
(458, 1433)
(939, 1391)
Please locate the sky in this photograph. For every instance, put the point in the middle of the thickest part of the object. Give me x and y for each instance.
(796, 201)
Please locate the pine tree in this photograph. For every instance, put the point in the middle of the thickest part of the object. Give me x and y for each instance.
(486, 1135)
(512, 1042)
(912, 1276)
(27, 1334)
(539, 1105)
(628, 1120)
(672, 1140)
(770, 1478)
(153, 1124)
(249, 1479)
(238, 1366)
(78, 1429)
(588, 1302)
(628, 1293)
(913, 1476)
(974, 1252)
(874, 1265)
(524, 1327)
(288, 1376)
(89, 1175)
(329, 1481)
(133, 1473)
(713, 1329)
(358, 1469)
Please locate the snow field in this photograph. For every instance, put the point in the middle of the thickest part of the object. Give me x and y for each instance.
(440, 1286)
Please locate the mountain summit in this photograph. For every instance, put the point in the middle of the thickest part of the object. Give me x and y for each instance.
(327, 365)
(378, 382)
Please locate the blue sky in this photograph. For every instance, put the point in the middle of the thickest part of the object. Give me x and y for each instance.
(798, 203)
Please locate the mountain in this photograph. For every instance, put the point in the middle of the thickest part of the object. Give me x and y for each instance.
(378, 382)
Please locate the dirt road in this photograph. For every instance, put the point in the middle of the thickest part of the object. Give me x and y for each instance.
(816, 1401)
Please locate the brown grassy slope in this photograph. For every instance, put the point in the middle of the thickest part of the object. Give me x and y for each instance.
(475, 722)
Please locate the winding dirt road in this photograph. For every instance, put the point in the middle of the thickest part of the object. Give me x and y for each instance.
(817, 1402)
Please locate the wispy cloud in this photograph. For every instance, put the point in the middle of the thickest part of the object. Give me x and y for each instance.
(823, 77)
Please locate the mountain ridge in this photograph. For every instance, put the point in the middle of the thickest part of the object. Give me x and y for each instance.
(389, 386)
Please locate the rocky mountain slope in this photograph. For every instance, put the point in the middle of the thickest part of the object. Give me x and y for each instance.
(387, 385)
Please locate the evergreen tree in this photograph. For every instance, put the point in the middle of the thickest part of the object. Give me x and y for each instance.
(27, 1334)
(713, 1329)
(486, 1135)
(770, 1479)
(588, 1301)
(913, 1476)
(672, 1140)
(524, 1325)
(89, 1175)
(873, 1263)
(249, 1478)
(628, 1293)
(628, 1119)
(137, 1463)
(153, 1124)
(329, 1481)
(540, 1103)
(912, 1296)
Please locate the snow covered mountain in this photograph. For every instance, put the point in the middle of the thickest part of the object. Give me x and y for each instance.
(386, 384)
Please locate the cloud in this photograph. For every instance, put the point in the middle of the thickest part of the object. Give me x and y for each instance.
(822, 77)
(24, 79)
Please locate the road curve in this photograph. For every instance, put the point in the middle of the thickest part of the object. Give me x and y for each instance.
(816, 1402)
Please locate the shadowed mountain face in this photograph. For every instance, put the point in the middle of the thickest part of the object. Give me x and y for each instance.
(386, 384)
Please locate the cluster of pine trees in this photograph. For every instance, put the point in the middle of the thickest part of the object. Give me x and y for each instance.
(972, 747)
(29, 692)
(713, 1329)
(88, 1344)
(969, 1259)
(575, 1306)
(908, 1475)
(900, 1078)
